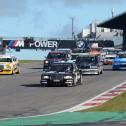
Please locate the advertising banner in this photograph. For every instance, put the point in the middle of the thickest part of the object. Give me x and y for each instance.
(53, 44)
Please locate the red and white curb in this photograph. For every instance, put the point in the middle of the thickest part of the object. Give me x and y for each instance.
(100, 99)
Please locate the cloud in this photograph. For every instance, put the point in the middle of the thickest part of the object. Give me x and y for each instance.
(76, 3)
(12, 8)
(82, 2)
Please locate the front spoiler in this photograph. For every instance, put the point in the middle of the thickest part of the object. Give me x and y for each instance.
(50, 82)
(5, 72)
(108, 63)
(89, 71)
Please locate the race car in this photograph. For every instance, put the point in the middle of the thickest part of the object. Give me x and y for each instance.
(90, 64)
(120, 61)
(108, 59)
(55, 56)
(9, 64)
(63, 73)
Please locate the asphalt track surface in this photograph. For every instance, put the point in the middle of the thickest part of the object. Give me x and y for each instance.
(21, 95)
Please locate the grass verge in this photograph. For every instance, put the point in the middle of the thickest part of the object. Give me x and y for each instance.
(117, 104)
(30, 61)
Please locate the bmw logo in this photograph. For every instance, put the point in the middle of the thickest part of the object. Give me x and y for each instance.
(80, 44)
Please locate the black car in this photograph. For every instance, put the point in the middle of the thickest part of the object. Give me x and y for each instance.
(61, 73)
(54, 56)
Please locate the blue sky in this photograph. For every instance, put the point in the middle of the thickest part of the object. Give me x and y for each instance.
(52, 18)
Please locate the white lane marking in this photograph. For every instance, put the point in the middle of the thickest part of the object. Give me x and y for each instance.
(79, 106)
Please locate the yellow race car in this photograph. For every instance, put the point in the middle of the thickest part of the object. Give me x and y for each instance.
(9, 65)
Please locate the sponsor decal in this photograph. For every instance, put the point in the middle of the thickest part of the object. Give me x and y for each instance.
(18, 43)
(15, 43)
(46, 44)
(80, 44)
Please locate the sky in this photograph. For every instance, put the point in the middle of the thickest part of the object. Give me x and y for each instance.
(52, 18)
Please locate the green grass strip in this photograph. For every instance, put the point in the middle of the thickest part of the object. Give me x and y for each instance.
(29, 61)
(66, 118)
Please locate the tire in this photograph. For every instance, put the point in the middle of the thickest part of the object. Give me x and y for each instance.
(70, 85)
(114, 68)
(12, 72)
(74, 83)
(98, 73)
(101, 72)
(80, 80)
(42, 85)
(18, 71)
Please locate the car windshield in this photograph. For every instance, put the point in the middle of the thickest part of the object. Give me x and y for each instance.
(78, 51)
(61, 67)
(110, 52)
(56, 55)
(5, 60)
(122, 55)
(109, 57)
(87, 59)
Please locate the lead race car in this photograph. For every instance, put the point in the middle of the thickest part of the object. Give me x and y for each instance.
(120, 61)
(9, 64)
(61, 73)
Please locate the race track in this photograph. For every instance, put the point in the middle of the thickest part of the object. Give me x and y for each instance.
(21, 95)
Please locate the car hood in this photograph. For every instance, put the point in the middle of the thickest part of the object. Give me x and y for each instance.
(120, 59)
(87, 64)
(55, 72)
(57, 59)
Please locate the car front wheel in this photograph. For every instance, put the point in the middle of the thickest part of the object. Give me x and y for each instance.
(80, 80)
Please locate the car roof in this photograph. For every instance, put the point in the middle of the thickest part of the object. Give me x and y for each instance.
(65, 62)
(114, 55)
(108, 48)
(64, 49)
(57, 52)
(80, 54)
(122, 53)
(87, 55)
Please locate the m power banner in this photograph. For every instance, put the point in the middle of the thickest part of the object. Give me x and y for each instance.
(41, 44)
(53, 44)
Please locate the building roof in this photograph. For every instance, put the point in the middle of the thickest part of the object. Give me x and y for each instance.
(117, 22)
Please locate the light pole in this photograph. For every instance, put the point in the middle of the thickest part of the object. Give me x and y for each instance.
(72, 28)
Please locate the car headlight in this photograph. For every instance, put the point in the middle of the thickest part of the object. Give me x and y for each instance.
(45, 77)
(68, 77)
(7, 67)
(93, 67)
(46, 62)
